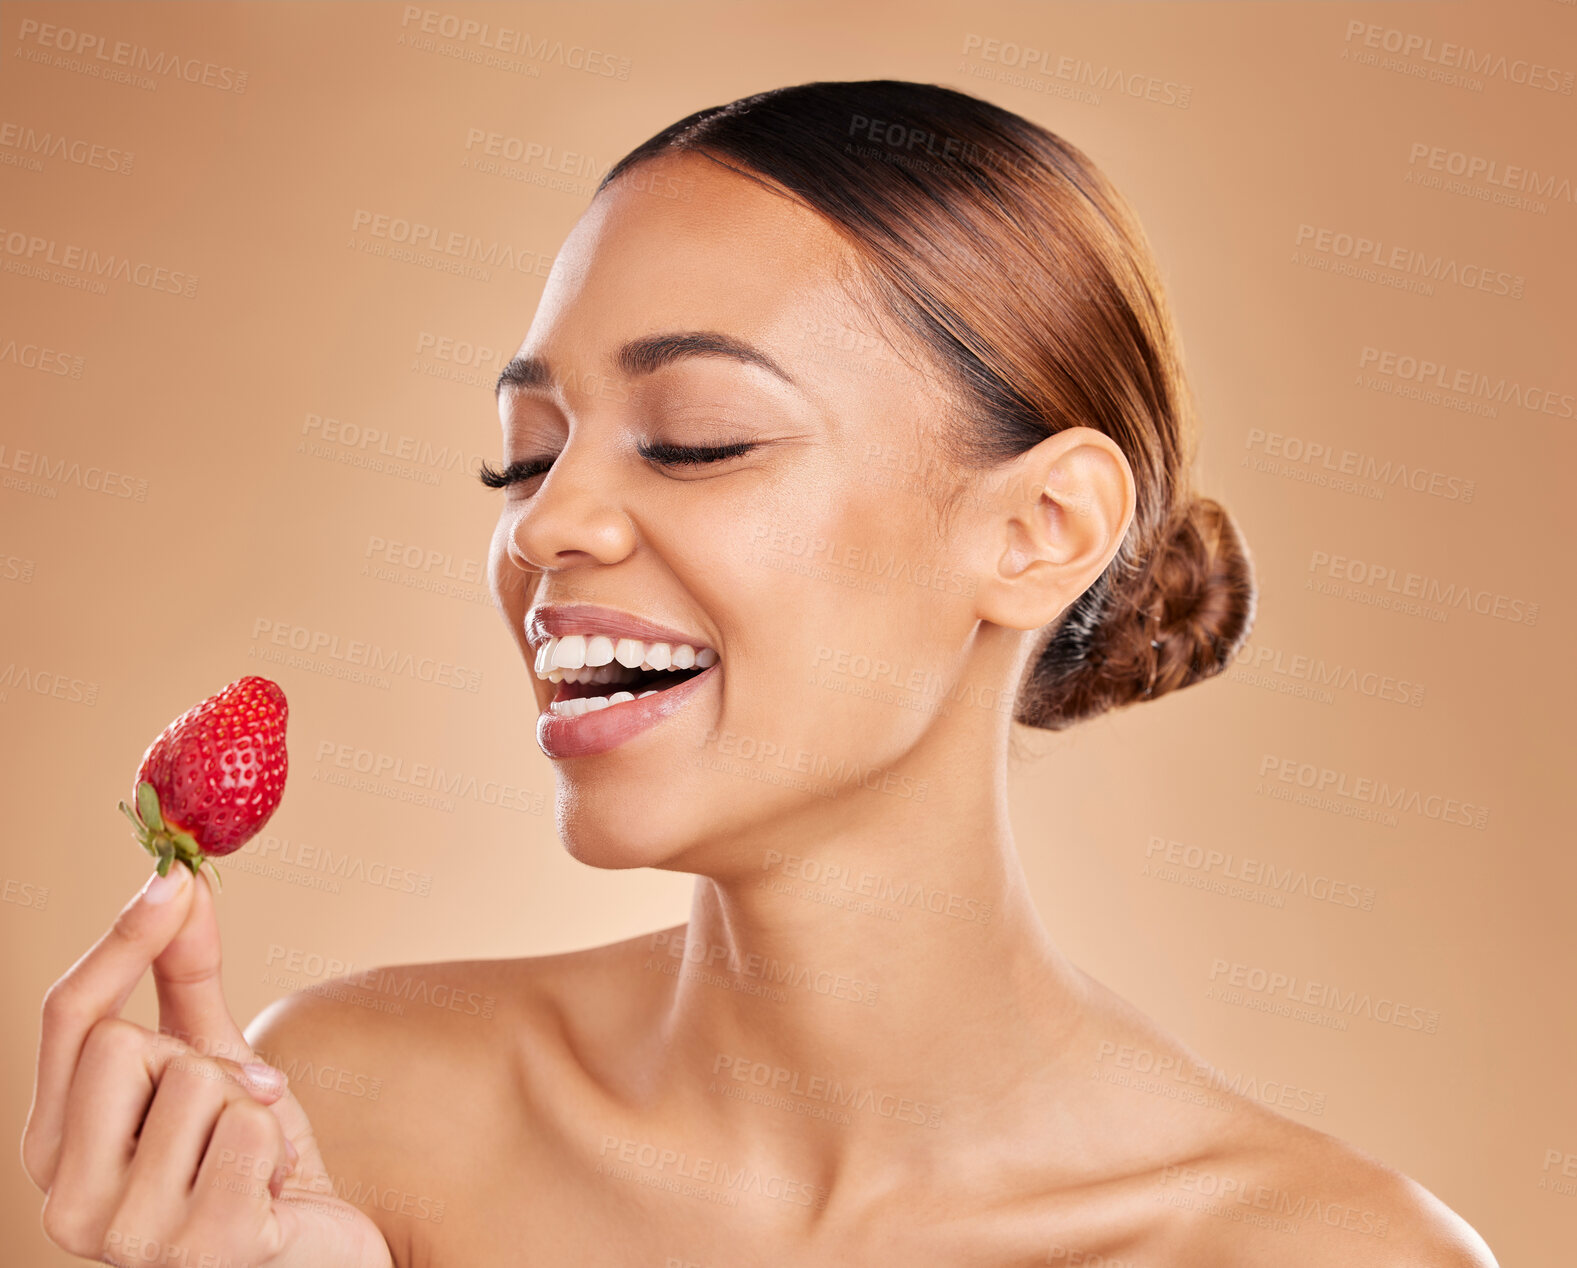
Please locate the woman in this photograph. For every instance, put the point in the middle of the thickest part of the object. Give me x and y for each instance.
(851, 428)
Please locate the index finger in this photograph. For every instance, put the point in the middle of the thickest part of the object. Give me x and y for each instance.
(97, 986)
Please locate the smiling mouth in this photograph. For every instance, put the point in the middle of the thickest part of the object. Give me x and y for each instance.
(598, 672)
(631, 684)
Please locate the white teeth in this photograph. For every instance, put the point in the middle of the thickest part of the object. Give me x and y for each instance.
(570, 652)
(597, 658)
(590, 704)
(601, 674)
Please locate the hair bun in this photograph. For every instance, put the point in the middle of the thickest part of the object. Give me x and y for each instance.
(1177, 620)
(1198, 601)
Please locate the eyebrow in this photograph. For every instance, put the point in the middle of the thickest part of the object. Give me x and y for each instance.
(646, 355)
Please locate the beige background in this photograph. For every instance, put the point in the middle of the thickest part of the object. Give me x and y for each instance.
(121, 608)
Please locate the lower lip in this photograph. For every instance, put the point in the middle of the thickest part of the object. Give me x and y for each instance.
(605, 729)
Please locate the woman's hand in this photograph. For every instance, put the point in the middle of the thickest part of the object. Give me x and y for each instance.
(177, 1147)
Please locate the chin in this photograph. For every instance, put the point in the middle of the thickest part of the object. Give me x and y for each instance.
(677, 829)
(617, 829)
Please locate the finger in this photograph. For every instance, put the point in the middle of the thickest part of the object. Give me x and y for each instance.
(117, 1083)
(293, 1117)
(108, 1098)
(264, 1082)
(96, 986)
(192, 1007)
(240, 1177)
(191, 1094)
(186, 972)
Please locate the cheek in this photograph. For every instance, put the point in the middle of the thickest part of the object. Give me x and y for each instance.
(510, 584)
(829, 619)
(894, 613)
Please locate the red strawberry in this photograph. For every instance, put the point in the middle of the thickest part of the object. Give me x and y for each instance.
(214, 776)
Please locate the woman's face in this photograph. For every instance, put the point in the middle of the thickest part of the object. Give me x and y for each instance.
(810, 563)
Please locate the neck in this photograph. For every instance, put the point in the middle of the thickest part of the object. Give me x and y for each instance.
(879, 947)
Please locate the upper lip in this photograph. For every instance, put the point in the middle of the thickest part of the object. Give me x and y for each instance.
(551, 619)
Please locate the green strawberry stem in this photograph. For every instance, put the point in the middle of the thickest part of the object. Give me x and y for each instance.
(165, 841)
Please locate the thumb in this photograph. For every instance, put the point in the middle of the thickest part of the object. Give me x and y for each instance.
(191, 992)
(192, 1007)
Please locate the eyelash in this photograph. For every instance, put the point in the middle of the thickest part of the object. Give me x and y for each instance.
(523, 469)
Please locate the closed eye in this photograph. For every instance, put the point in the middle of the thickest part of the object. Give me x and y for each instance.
(664, 455)
(685, 456)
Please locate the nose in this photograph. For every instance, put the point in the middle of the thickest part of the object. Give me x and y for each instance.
(575, 517)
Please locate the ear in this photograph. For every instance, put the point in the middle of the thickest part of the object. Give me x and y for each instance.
(1053, 518)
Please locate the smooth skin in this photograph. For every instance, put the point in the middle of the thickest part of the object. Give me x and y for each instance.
(615, 1106)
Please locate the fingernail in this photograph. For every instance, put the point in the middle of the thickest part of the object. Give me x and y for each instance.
(160, 889)
(265, 1078)
(290, 1152)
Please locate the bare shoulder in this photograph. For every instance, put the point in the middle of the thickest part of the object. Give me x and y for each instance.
(364, 1054)
(357, 1046)
(423, 1009)
(1238, 1184)
(1335, 1203)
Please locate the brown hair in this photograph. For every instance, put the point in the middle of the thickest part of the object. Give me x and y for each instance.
(1024, 274)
